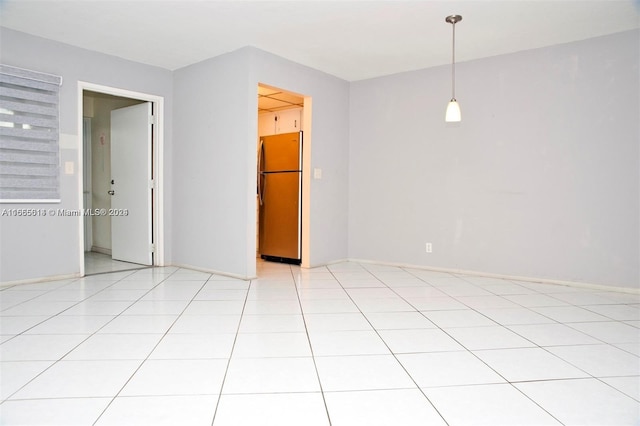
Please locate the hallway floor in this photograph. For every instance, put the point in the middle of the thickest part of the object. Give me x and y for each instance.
(348, 344)
(98, 263)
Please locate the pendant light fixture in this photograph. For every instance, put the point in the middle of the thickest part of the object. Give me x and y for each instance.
(453, 109)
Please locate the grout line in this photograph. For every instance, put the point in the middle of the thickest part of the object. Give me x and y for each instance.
(313, 357)
(235, 339)
(390, 351)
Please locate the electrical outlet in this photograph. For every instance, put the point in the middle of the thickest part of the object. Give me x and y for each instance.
(429, 248)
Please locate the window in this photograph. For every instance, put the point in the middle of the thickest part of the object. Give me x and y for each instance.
(29, 153)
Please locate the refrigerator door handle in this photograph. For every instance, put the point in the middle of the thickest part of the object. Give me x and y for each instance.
(260, 174)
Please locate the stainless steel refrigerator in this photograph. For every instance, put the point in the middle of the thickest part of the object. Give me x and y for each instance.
(279, 195)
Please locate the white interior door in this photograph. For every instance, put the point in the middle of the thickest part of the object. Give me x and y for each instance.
(131, 226)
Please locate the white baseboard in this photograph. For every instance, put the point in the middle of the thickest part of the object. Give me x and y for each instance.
(101, 250)
(506, 277)
(40, 280)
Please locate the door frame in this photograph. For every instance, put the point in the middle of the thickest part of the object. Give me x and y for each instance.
(157, 161)
(305, 232)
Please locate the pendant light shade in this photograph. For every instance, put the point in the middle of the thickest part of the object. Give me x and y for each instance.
(453, 108)
(453, 112)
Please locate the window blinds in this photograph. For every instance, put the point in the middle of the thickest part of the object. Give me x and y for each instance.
(29, 154)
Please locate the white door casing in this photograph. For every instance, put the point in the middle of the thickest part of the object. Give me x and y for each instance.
(131, 213)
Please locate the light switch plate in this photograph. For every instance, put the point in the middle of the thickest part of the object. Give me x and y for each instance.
(68, 167)
(317, 173)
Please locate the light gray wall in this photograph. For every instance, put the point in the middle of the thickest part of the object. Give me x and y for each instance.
(31, 248)
(215, 162)
(540, 179)
(210, 163)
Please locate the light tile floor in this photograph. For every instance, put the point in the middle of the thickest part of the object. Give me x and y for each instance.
(99, 263)
(348, 344)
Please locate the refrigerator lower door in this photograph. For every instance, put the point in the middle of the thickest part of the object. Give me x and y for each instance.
(280, 217)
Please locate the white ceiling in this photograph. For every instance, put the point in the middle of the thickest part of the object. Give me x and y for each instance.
(352, 40)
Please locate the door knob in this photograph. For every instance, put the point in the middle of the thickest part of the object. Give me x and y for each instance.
(112, 192)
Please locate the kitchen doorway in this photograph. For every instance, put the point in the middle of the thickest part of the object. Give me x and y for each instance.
(126, 233)
(283, 119)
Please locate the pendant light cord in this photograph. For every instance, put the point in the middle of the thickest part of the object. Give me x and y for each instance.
(453, 65)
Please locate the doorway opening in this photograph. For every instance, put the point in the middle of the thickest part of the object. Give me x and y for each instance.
(121, 180)
(283, 152)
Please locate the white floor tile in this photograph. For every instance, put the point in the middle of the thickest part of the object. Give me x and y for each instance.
(98, 308)
(599, 360)
(267, 293)
(272, 324)
(583, 402)
(448, 369)
(271, 375)
(322, 293)
(33, 308)
(630, 386)
(16, 374)
(489, 405)
(200, 324)
(225, 283)
(553, 334)
(39, 347)
(171, 365)
(115, 346)
(194, 346)
(610, 331)
(395, 304)
(271, 345)
(328, 306)
(77, 379)
(283, 409)
(419, 340)
(71, 324)
(144, 324)
(406, 407)
(157, 307)
(214, 307)
(361, 342)
(528, 364)
(192, 410)
(461, 318)
(173, 291)
(318, 283)
(569, 314)
(632, 348)
(535, 300)
(177, 377)
(514, 316)
(498, 337)
(428, 304)
(487, 302)
(457, 290)
(418, 292)
(360, 283)
(371, 293)
(398, 320)
(20, 324)
(336, 322)
(114, 295)
(221, 294)
(584, 298)
(350, 373)
(616, 312)
(266, 307)
(52, 412)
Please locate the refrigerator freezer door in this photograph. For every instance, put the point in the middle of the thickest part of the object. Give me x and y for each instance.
(280, 215)
(280, 152)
